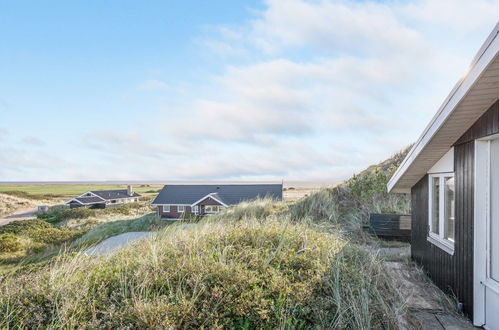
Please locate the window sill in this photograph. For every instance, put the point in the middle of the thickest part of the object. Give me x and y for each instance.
(443, 245)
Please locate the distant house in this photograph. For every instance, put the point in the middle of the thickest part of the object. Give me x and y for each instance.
(452, 173)
(100, 199)
(174, 201)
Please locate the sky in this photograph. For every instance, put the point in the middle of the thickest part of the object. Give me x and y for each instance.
(224, 90)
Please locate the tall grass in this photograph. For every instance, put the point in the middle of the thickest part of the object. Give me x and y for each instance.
(243, 274)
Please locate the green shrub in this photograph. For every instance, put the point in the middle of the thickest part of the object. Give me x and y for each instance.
(59, 214)
(9, 243)
(123, 209)
(24, 226)
(78, 213)
(53, 235)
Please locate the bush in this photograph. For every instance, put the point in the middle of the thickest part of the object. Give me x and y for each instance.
(9, 243)
(59, 214)
(24, 226)
(53, 235)
(123, 209)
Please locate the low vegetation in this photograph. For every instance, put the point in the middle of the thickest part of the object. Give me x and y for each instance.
(241, 274)
(22, 238)
(261, 264)
(58, 215)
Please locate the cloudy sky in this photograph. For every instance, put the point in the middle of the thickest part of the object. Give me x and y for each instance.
(224, 90)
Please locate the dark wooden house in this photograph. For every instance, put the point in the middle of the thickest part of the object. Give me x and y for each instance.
(101, 199)
(452, 173)
(178, 201)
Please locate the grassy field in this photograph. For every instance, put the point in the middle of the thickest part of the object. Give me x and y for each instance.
(71, 190)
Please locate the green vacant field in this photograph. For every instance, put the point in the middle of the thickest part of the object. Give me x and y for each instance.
(73, 189)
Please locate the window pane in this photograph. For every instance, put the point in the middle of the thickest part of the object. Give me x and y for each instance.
(449, 208)
(435, 209)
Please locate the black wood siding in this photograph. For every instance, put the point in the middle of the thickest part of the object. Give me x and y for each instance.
(453, 274)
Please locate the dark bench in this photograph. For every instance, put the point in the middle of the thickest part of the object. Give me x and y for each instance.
(391, 226)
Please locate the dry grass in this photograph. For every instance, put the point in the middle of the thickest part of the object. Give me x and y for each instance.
(9, 204)
(239, 274)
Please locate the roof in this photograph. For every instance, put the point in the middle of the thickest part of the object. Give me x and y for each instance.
(229, 194)
(88, 200)
(468, 100)
(113, 194)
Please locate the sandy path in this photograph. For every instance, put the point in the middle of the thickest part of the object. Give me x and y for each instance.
(114, 243)
(20, 214)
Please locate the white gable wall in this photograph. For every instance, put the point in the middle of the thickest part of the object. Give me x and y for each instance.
(445, 164)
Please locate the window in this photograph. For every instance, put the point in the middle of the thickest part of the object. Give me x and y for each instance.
(195, 209)
(181, 208)
(212, 208)
(442, 211)
(166, 208)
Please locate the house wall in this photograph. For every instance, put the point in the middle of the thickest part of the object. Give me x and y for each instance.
(453, 274)
(173, 214)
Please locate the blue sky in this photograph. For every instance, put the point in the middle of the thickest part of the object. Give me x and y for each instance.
(224, 90)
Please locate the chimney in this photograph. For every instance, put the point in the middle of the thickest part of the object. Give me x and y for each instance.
(129, 190)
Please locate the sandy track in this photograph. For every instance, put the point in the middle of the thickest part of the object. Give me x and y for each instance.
(20, 214)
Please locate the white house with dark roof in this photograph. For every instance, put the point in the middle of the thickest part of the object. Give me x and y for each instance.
(175, 201)
(452, 174)
(100, 199)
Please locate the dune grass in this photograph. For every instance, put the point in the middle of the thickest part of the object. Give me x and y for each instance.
(240, 274)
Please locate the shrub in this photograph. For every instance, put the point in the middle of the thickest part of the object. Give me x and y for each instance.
(9, 243)
(53, 235)
(123, 209)
(24, 226)
(59, 214)
(78, 213)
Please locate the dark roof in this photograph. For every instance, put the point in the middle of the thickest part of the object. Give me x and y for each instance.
(113, 194)
(229, 193)
(89, 200)
(218, 197)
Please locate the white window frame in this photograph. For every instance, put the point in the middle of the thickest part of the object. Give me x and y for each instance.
(195, 209)
(166, 208)
(180, 208)
(439, 239)
(218, 207)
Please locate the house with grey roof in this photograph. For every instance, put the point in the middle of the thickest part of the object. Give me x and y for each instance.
(176, 201)
(100, 199)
